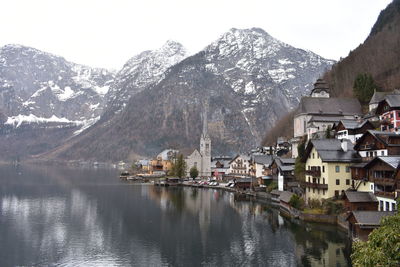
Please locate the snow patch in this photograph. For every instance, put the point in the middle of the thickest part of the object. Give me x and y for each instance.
(86, 124)
(17, 121)
(101, 90)
(250, 88)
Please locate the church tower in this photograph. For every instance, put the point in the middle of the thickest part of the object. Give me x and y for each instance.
(205, 146)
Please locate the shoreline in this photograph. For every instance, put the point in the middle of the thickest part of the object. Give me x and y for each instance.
(263, 197)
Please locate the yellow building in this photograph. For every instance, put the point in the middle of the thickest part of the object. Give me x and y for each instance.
(327, 164)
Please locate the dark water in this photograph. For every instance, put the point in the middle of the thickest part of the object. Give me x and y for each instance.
(65, 217)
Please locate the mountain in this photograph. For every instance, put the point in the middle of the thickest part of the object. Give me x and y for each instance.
(40, 87)
(248, 78)
(378, 55)
(140, 71)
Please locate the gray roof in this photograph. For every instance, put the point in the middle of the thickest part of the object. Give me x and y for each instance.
(371, 218)
(244, 180)
(326, 118)
(263, 159)
(379, 96)
(392, 161)
(353, 124)
(354, 196)
(285, 196)
(330, 150)
(393, 100)
(359, 165)
(330, 106)
(285, 168)
(288, 160)
(276, 192)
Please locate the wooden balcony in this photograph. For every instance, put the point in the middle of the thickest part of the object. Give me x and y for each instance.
(385, 194)
(368, 147)
(314, 172)
(314, 185)
(384, 181)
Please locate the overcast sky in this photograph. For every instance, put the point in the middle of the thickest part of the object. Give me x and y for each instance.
(107, 33)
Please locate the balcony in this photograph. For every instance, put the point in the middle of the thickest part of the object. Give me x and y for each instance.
(384, 181)
(314, 172)
(314, 185)
(385, 194)
(368, 147)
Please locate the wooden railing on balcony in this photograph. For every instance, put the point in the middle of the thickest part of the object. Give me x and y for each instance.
(314, 185)
(384, 181)
(385, 194)
(314, 172)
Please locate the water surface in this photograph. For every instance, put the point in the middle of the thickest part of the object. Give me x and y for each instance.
(56, 216)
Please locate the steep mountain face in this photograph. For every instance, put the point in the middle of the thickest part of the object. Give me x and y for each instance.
(378, 55)
(140, 71)
(39, 87)
(248, 78)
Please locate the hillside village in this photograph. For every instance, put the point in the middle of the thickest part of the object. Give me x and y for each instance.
(342, 165)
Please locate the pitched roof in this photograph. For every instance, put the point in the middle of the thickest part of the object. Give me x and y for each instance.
(392, 161)
(380, 136)
(326, 118)
(371, 218)
(393, 100)
(329, 106)
(330, 150)
(263, 159)
(354, 196)
(285, 196)
(379, 96)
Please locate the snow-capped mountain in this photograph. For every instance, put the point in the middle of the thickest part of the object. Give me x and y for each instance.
(142, 70)
(248, 78)
(38, 87)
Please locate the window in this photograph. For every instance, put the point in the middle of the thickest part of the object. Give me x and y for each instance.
(347, 181)
(387, 205)
(323, 180)
(381, 205)
(323, 191)
(336, 193)
(382, 153)
(347, 168)
(323, 168)
(372, 187)
(337, 168)
(337, 182)
(313, 156)
(393, 206)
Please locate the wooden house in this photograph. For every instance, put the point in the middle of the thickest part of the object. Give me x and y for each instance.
(352, 129)
(361, 223)
(377, 143)
(389, 113)
(354, 200)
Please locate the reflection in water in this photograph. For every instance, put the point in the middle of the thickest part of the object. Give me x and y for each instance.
(65, 217)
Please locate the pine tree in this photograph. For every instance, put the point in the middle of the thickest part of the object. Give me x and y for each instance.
(179, 168)
(194, 172)
(363, 87)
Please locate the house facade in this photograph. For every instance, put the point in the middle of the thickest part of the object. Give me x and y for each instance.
(327, 163)
(388, 111)
(240, 165)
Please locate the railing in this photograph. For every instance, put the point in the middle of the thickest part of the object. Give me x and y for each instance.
(315, 173)
(314, 185)
(384, 181)
(385, 194)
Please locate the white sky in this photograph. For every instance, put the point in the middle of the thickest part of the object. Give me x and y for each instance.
(107, 33)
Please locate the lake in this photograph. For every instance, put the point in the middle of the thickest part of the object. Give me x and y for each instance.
(59, 216)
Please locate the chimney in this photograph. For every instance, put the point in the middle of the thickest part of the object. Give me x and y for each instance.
(343, 143)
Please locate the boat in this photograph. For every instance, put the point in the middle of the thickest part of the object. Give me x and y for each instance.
(124, 175)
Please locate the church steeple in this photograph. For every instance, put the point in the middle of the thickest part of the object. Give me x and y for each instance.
(205, 121)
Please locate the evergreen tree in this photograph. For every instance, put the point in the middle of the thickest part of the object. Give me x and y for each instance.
(194, 172)
(179, 168)
(328, 134)
(363, 87)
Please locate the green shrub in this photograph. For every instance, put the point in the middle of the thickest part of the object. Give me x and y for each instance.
(314, 204)
(296, 202)
(332, 207)
(273, 185)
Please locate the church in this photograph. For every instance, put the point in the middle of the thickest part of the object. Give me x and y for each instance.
(201, 159)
